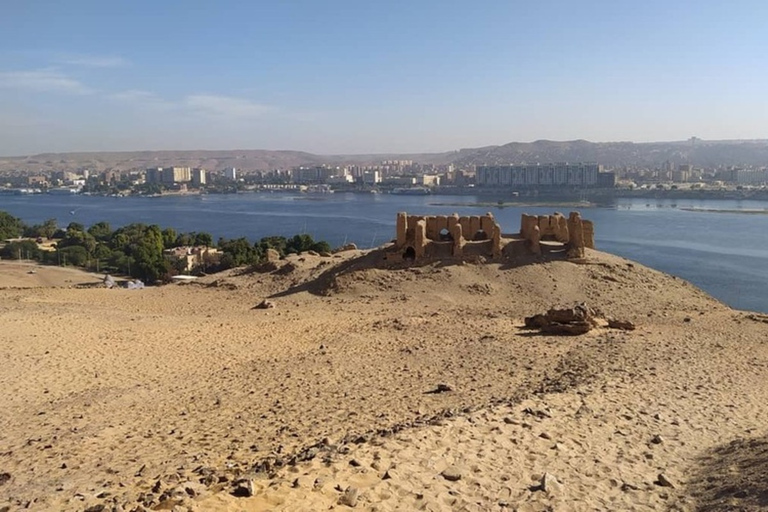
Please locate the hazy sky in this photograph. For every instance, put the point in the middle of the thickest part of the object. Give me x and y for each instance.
(359, 76)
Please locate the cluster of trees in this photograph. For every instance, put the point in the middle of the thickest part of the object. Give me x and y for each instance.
(241, 252)
(137, 250)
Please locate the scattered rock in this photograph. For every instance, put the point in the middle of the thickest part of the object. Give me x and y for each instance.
(563, 321)
(550, 484)
(624, 325)
(265, 304)
(663, 481)
(272, 255)
(441, 388)
(657, 439)
(96, 508)
(349, 498)
(354, 463)
(4, 477)
(243, 489)
(452, 474)
(625, 486)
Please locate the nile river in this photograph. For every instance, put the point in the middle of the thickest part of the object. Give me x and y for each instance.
(719, 245)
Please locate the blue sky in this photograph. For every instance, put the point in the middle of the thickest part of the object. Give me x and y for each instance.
(343, 76)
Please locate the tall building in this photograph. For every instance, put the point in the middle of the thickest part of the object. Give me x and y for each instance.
(173, 175)
(153, 175)
(198, 177)
(168, 175)
(539, 175)
(230, 173)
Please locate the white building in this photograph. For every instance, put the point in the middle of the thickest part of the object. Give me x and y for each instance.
(371, 177)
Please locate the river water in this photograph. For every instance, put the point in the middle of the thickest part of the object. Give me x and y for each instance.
(719, 245)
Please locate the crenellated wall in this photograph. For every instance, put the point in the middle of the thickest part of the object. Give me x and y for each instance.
(448, 235)
(574, 232)
(452, 236)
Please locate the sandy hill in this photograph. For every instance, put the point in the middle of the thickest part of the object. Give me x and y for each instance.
(185, 397)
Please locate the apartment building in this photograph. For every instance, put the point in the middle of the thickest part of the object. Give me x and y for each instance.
(539, 175)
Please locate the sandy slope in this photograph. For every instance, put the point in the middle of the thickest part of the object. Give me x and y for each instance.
(186, 388)
(28, 274)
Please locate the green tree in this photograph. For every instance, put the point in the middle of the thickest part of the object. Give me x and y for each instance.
(203, 239)
(77, 236)
(25, 249)
(101, 231)
(303, 243)
(169, 238)
(184, 239)
(237, 253)
(278, 243)
(75, 255)
(142, 250)
(10, 226)
(44, 230)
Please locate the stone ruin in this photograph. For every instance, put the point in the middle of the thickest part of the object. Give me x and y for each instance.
(441, 236)
(574, 232)
(457, 237)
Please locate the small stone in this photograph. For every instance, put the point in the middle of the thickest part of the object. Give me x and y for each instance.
(546, 436)
(623, 325)
(96, 508)
(452, 474)
(550, 484)
(265, 304)
(243, 489)
(4, 477)
(349, 498)
(354, 463)
(442, 388)
(626, 487)
(510, 421)
(657, 439)
(663, 481)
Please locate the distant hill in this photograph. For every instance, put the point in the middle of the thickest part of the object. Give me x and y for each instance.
(699, 153)
(99, 161)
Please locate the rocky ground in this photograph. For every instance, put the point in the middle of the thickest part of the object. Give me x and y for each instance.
(381, 388)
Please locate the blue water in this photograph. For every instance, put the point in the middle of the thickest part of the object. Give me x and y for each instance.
(726, 254)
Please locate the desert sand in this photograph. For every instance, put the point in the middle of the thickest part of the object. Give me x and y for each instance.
(186, 397)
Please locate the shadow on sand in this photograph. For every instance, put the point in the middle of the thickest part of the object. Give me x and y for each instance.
(732, 476)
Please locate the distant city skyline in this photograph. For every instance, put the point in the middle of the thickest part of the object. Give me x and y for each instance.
(346, 77)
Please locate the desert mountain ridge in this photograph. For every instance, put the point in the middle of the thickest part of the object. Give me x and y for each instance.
(700, 153)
